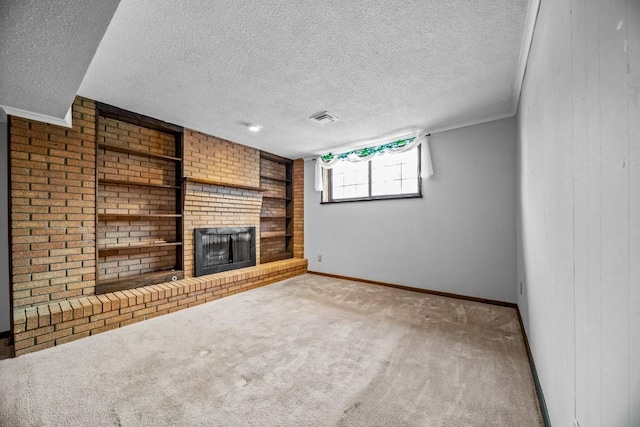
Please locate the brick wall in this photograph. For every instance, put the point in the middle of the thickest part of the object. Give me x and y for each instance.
(53, 207)
(206, 206)
(215, 159)
(298, 208)
(274, 189)
(273, 169)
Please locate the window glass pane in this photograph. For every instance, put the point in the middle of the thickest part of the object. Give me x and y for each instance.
(338, 193)
(410, 186)
(350, 180)
(393, 174)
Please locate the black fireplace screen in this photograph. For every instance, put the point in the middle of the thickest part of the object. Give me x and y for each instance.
(224, 248)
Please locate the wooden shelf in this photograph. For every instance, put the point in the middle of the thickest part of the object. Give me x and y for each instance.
(141, 245)
(275, 158)
(167, 156)
(275, 257)
(111, 217)
(222, 184)
(273, 234)
(274, 179)
(136, 184)
(104, 286)
(276, 197)
(280, 237)
(116, 113)
(141, 153)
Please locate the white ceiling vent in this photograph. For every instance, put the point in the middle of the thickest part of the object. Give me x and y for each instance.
(324, 118)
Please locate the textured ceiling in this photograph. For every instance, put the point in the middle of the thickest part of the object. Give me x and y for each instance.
(383, 67)
(45, 50)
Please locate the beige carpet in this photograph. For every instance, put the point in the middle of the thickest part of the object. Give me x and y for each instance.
(309, 351)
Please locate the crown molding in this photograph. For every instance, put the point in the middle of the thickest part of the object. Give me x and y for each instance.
(66, 122)
(525, 50)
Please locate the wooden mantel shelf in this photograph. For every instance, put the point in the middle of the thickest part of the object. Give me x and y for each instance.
(222, 184)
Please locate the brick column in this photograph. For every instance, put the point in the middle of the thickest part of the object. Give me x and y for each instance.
(53, 207)
(298, 208)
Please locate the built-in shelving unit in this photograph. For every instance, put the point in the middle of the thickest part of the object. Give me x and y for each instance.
(276, 217)
(276, 257)
(276, 198)
(140, 280)
(270, 178)
(139, 201)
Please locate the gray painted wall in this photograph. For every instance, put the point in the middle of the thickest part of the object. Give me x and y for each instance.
(579, 209)
(460, 237)
(4, 228)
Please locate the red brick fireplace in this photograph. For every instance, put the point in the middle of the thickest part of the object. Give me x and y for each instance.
(66, 210)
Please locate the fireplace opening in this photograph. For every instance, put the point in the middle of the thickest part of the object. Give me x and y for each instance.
(224, 248)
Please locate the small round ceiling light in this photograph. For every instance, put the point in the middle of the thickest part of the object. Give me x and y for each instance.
(254, 127)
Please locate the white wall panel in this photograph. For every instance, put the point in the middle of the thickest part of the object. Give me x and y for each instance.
(459, 238)
(579, 233)
(5, 316)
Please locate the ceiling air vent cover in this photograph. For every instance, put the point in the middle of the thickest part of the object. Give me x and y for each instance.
(324, 118)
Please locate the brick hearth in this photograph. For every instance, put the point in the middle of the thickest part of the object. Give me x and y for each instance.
(55, 323)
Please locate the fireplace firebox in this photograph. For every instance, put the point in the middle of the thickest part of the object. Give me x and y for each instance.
(224, 248)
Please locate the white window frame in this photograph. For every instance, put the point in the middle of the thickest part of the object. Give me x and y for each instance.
(327, 193)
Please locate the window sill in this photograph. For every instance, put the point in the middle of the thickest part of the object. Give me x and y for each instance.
(368, 199)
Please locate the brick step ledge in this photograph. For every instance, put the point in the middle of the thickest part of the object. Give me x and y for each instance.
(55, 323)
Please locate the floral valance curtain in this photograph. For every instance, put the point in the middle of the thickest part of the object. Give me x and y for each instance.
(329, 160)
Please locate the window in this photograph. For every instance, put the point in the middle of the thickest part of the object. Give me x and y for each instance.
(387, 176)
